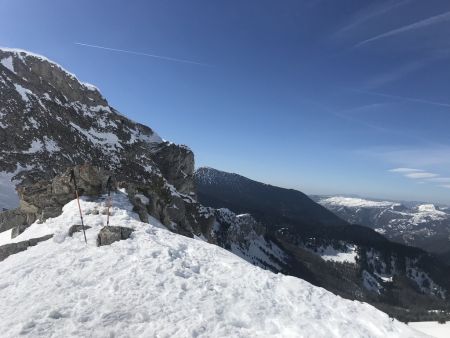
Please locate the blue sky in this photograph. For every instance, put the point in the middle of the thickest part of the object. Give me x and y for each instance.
(323, 96)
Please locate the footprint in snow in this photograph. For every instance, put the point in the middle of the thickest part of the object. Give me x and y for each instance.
(155, 254)
(55, 314)
(27, 327)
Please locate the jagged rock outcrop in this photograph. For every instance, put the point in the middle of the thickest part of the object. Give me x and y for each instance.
(178, 212)
(153, 197)
(245, 237)
(177, 166)
(12, 218)
(45, 198)
(237, 228)
(50, 121)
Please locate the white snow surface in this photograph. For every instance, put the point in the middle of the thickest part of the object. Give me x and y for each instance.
(356, 202)
(160, 284)
(427, 212)
(24, 92)
(5, 237)
(331, 254)
(370, 283)
(8, 63)
(434, 329)
(35, 147)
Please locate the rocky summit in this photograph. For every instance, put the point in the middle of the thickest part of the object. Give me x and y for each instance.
(52, 123)
(50, 120)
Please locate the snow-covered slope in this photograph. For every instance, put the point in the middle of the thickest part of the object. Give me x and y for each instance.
(422, 225)
(353, 202)
(160, 284)
(434, 329)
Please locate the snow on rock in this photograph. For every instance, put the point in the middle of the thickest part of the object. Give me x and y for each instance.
(423, 280)
(8, 63)
(144, 199)
(331, 254)
(355, 202)
(51, 145)
(91, 87)
(340, 252)
(160, 284)
(426, 212)
(23, 54)
(35, 147)
(370, 283)
(24, 92)
(411, 223)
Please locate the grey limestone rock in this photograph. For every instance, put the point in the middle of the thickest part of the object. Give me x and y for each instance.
(111, 234)
(13, 248)
(76, 228)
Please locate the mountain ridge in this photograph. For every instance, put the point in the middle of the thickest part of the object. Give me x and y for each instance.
(421, 224)
(339, 257)
(313, 211)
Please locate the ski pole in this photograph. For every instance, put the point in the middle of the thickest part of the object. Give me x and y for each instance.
(108, 186)
(72, 178)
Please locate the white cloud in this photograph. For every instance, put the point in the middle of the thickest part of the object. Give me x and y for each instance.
(439, 179)
(421, 175)
(405, 170)
(446, 186)
(414, 173)
(420, 157)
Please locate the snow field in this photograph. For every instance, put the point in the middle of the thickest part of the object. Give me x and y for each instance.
(160, 284)
(434, 329)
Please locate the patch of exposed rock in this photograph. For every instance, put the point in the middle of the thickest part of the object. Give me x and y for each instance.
(77, 228)
(111, 234)
(45, 198)
(13, 248)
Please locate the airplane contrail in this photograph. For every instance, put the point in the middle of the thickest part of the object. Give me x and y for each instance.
(419, 24)
(167, 58)
(406, 98)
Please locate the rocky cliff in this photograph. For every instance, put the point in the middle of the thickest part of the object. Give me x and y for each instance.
(49, 120)
(51, 123)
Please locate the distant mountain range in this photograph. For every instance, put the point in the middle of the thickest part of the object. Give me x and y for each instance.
(426, 226)
(310, 242)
